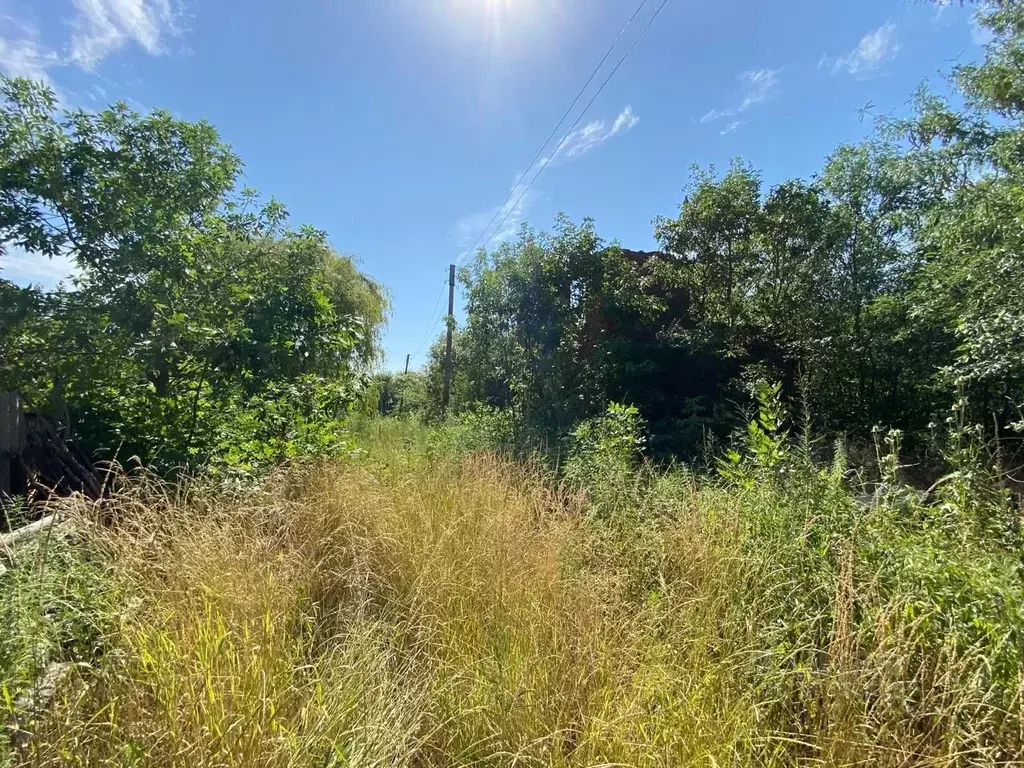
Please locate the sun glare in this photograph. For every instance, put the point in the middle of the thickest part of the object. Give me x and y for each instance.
(491, 6)
(500, 12)
(514, 25)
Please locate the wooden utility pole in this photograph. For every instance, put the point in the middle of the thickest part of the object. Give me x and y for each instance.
(407, 362)
(446, 393)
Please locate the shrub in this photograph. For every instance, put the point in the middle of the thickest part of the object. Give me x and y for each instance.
(603, 454)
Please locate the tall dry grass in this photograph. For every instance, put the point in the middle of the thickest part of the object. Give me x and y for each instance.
(408, 610)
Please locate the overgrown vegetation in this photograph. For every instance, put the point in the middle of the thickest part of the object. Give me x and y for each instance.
(419, 607)
(880, 286)
(640, 537)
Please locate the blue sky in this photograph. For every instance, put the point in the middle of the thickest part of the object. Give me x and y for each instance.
(399, 126)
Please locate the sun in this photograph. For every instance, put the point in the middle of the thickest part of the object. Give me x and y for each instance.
(513, 22)
(497, 13)
(492, 6)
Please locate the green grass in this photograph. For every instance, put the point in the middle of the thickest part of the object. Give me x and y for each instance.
(417, 607)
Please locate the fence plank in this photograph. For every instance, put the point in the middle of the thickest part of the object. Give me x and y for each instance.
(8, 541)
(11, 438)
(11, 433)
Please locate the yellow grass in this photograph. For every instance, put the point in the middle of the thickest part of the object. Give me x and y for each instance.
(401, 611)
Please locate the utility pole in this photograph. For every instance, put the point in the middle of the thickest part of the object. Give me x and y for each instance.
(446, 393)
(407, 363)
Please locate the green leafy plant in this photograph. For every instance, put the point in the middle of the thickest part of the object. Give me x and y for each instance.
(604, 453)
(763, 445)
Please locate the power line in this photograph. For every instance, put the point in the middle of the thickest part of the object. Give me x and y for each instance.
(433, 318)
(433, 315)
(558, 125)
(580, 117)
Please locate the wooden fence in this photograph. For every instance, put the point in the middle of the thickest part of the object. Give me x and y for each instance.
(12, 440)
(37, 458)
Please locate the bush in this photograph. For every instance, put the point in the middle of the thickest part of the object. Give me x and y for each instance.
(603, 457)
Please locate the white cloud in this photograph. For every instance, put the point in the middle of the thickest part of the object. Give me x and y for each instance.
(731, 127)
(758, 85)
(24, 268)
(873, 50)
(596, 132)
(625, 120)
(512, 213)
(103, 26)
(980, 35)
(26, 57)
(99, 28)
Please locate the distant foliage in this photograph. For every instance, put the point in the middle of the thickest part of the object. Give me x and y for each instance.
(484, 429)
(395, 394)
(611, 441)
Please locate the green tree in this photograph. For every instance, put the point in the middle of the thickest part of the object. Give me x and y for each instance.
(714, 237)
(868, 260)
(971, 278)
(523, 344)
(193, 304)
(790, 276)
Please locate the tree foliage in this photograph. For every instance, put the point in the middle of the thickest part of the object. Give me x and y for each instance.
(877, 286)
(197, 321)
